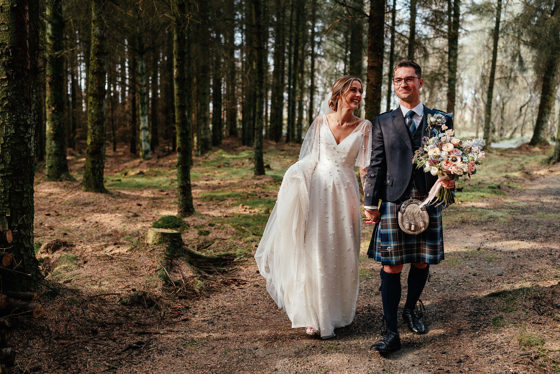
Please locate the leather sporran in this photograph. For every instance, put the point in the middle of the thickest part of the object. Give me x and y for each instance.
(413, 217)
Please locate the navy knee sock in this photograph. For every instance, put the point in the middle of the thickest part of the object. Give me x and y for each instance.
(416, 281)
(391, 296)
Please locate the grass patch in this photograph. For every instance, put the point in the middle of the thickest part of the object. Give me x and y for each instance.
(365, 274)
(37, 247)
(527, 339)
(63, 265)
(454, 261)
(226, 195)
(170, 222)
(264, 204)
(511, 299)
(163, 179)
(248, 225)
(478, 191)
(502, 170)
(491, 257)
(498, 321)
(455, 215)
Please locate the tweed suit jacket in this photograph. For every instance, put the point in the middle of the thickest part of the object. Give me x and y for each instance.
(391, 168)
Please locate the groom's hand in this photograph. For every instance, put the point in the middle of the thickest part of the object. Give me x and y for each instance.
(372, 216)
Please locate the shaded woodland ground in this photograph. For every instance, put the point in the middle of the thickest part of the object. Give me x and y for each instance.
(493, 305)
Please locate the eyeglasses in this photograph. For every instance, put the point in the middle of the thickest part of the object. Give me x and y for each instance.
(407, 80)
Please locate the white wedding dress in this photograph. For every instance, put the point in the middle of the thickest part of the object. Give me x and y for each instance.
(309, 251)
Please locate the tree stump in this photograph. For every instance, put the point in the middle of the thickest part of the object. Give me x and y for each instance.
(164, 237)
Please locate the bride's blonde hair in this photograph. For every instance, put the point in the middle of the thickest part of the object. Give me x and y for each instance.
(340, 87)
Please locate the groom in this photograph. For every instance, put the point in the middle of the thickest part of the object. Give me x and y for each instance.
(392, 178)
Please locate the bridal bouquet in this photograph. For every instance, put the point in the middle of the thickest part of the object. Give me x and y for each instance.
(447, 156)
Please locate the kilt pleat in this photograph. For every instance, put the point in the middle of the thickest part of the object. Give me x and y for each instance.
(391, 246)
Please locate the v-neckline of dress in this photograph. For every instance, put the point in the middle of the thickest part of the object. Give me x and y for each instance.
(347, 136)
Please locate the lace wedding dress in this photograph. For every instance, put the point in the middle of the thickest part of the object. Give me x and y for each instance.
(310, 247)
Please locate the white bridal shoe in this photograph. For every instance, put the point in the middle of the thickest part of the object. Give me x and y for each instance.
(311, 331)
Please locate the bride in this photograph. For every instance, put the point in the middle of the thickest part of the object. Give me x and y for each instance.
(309, 251)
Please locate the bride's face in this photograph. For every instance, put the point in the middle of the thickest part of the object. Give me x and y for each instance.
(352, 98)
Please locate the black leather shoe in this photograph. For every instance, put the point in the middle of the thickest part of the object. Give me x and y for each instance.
(413, 319)
(390, 342)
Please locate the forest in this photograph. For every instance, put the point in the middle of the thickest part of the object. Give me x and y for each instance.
(142, 145)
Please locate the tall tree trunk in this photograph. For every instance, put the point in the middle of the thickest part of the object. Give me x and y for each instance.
(111, 84)
(376, 36)
(95, 152)
(278, 75)
(490, 93)
(259, 55)
(39, 107)
(56, 166)
(146, 150)
(230, 99)
(301, 32)
(290, 126)
(217, 81)
(548, 77)
(183, 128)
(299, 21)
(412, 29)
(154, 107)
(191, 89)
(249, 99)
(357, 40)
(556, 155)
(74, 104)
(217, 121)
(548, 88)
(454, 9)
(167, 83)
(391, 56)
(132, 75)
(311, 109)
(19, 25)
(204, 137)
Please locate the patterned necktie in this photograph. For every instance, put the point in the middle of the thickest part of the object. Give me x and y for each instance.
(410, 122)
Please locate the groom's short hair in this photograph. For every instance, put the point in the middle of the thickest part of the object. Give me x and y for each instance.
(409, 64)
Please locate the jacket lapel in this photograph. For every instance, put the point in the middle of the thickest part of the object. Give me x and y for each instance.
(400, 127)
(424, 122)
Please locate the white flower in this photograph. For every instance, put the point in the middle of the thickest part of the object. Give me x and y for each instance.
(455, 141)
(433, 152)
(447, 147)
(433, 170)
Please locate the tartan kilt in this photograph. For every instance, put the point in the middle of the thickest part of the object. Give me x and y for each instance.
(391, 246)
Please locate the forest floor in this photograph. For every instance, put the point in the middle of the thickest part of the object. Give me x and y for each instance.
(492, 306)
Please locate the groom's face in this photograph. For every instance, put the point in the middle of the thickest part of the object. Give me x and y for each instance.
(407, 85)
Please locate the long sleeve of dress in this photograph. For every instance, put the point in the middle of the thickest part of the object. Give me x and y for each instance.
(364, 157)
(310, 145)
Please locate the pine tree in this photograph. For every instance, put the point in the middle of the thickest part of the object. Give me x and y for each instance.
(376, 44)
(19, 23)
(182, 125)
(56, 165)
(490, 92)
(453, 14)
(95, 152)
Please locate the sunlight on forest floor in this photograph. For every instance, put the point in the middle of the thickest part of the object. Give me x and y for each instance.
(100, 247)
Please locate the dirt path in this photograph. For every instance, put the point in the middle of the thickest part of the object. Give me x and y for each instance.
(493, 306)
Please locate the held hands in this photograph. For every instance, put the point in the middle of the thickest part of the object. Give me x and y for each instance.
(372, 216)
